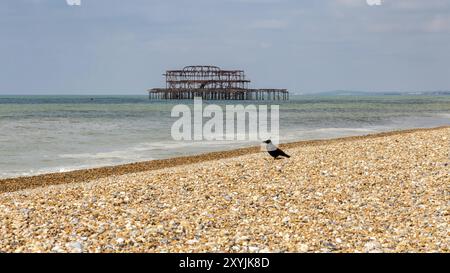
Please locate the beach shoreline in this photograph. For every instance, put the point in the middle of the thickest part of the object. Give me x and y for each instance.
(379, 193)
(83, 175)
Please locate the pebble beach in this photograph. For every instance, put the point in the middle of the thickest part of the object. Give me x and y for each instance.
(388, 192)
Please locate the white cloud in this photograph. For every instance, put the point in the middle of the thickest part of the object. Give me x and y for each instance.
(399, 4)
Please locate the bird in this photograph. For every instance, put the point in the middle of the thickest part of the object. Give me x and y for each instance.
(274, 151)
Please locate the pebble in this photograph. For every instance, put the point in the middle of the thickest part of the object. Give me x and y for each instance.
(75, 247)
(57, 249)
(379, 193)
(192, 242)
(120, 241)
(302, 248)
(253, 249)
(372, 247)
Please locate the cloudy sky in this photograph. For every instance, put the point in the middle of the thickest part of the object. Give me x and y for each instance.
(123, 47)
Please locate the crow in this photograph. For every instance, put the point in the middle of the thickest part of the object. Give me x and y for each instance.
(274, 151)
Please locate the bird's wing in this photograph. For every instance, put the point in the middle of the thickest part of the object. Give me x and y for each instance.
(280, 152)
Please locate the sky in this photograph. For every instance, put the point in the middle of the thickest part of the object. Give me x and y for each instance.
(306, 46)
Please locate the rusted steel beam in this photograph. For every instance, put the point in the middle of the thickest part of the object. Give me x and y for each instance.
(211, 82)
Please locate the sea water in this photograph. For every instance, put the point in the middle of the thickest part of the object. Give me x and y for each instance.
(40, 134)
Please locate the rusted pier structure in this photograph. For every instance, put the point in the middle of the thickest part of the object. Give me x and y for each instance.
(212, 83)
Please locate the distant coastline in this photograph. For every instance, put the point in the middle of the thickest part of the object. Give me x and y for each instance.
(380, 93)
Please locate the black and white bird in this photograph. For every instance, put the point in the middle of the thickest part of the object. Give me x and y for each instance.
(274, 151)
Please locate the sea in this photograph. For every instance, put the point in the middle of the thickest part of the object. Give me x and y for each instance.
(43, 134)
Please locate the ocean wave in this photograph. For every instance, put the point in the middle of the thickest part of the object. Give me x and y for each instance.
(443, 115)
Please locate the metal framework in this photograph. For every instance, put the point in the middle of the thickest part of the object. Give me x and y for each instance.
(212, 83)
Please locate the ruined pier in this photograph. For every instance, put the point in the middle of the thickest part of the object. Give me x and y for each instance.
(212, 83)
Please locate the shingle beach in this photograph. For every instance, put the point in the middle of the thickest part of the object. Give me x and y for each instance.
(382, 193)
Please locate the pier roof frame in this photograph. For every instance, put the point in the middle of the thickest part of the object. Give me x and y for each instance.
(212, 82)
